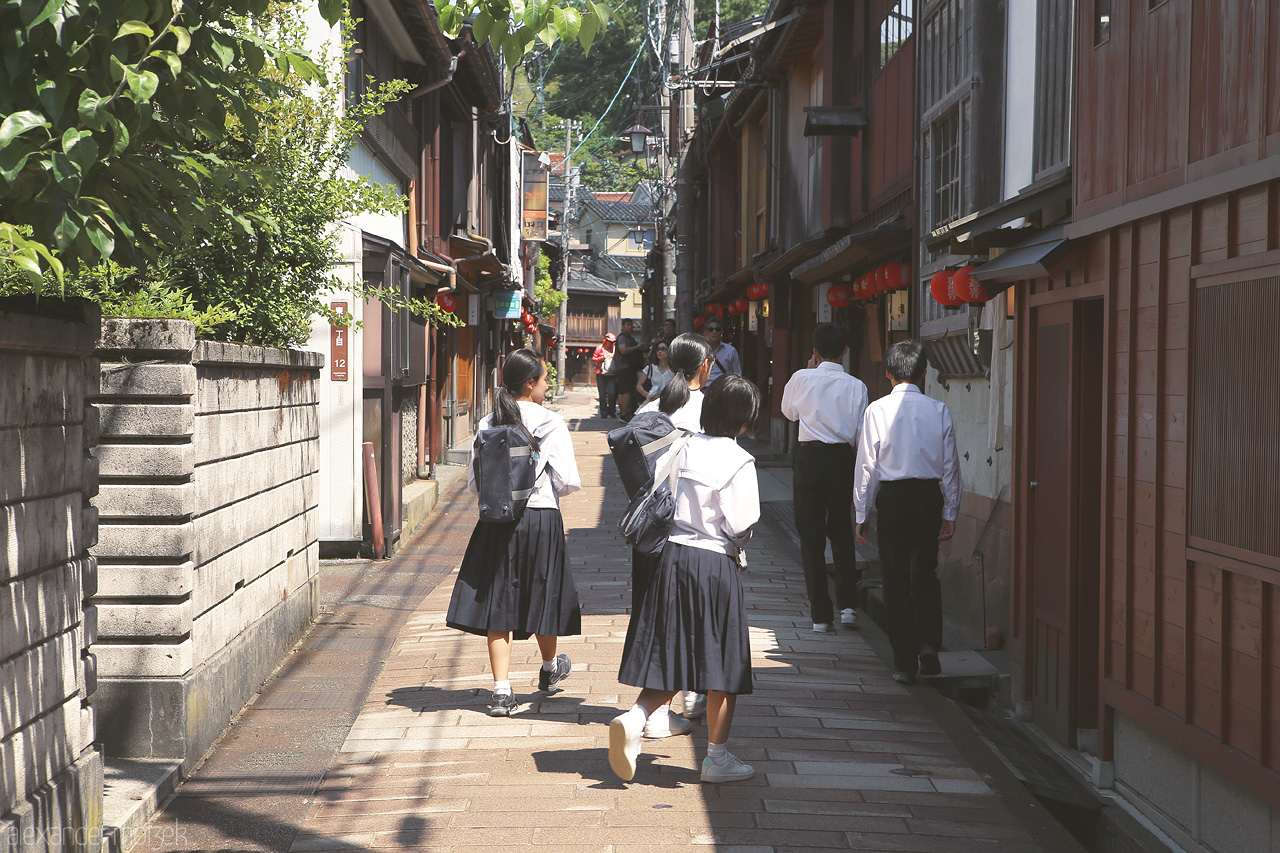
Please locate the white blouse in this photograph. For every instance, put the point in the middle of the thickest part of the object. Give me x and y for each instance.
(659, 376)
(555, 455)
(717, 496)
(688, 417)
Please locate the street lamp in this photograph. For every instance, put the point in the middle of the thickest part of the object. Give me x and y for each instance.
(639, 139)
(637, 233)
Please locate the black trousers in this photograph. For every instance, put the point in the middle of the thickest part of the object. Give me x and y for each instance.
(607, 389)
(823, 502)
(910, 517)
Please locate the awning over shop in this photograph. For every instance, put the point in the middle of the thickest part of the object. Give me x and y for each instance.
(853, 250)
(773, 267)
(984, 229)
(1029, 259)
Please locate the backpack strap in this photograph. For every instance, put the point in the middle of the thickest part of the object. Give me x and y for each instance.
(525, 494)
(659, 443)
(670, 470)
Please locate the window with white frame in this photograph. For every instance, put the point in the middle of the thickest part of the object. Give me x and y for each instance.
(947, 167)
(895, 29)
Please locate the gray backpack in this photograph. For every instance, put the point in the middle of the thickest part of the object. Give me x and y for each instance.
(506, 468)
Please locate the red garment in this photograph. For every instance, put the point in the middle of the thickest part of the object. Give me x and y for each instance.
(598, 357)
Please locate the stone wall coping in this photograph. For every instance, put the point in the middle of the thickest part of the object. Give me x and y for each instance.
(147, 335)
(222, 352)
(47, 324)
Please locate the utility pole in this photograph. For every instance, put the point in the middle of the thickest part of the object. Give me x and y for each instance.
(685, 217)
(564, 255)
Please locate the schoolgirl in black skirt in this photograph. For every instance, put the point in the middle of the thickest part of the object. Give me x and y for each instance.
(689, 631)
(515, 580)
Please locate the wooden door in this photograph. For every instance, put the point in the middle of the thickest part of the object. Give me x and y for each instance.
(1064, 495)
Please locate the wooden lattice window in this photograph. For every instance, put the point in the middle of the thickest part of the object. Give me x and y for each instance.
(947, 144)
(1234, 489)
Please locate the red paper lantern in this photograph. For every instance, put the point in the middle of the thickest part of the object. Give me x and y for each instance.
(897, 275)
(759, 290)
(941, 291)
(966, 287)
(446, 302)
(742, 304)
(699, 322)
(840, 295)
(715, 308)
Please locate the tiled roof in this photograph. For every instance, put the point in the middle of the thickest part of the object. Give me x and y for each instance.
(621, 211)
(585, 282)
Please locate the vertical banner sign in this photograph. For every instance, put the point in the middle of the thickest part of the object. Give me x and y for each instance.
(473, 308)
(338, 346)
(534, 225)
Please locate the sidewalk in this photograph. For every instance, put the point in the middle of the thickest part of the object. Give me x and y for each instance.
(375, 734)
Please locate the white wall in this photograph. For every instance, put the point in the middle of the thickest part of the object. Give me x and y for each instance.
(388, 225)
(1020, 92)
(341, 488)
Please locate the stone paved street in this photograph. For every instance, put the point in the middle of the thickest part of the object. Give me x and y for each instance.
(845, 758)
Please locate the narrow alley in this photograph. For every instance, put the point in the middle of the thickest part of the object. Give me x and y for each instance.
(846, 758)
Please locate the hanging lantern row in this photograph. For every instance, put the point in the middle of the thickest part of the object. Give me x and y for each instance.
(447, 302)
(739, 306)
(895, 275)
(760, 290)
(953, 288)
(715, 308)
(699, 322)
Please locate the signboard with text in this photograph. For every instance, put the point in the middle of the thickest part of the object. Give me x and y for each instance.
(534, 221)
(506, 304)
(338, 346)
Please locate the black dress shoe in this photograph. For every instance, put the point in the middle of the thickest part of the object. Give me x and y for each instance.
(929, 663)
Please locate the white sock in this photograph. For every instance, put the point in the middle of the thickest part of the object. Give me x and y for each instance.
(549, 665)
(718, 752)
(502, 687)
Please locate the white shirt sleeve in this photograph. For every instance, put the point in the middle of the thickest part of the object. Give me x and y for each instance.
(950, 469)
(866, 477)
(562, 465)
(789, 410)
(740, 502)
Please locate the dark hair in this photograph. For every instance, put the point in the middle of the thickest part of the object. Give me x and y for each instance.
(626, 320)
(685, 356)
(731, 403)
(653, 351)
(520, 366)
(671, 320)
(830, 340)
(906, 361)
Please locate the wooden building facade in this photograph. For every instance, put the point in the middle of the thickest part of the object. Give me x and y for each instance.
(1147, 612)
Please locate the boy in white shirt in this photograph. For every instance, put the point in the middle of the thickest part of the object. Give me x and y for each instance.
(909, 467)
(828, 403)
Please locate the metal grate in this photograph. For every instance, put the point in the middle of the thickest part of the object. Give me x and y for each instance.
(1234, 488)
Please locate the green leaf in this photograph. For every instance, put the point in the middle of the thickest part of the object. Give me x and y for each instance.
(143, 84)
(449, 19)
(587, 32)
(13, 159)
(482, 26)
(53, 96)
(604, 13)
(134, 28)
(65, 170)
(36, 12)
(81, 148)
(332, 11)
(91, 109)
(225, 53)
(184, 38)
(19, 123)
(67, 229)
(120, 134)
(175, 63)
(568, 21)
(535, 15)
(99, 231)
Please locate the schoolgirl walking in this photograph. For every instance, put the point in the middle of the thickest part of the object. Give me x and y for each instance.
(689, 631)
(515, 579)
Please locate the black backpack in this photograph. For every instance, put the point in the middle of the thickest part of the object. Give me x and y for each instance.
(646, 525)
(637, 446)
(506, 467)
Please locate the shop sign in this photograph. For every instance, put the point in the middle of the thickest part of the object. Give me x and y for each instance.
(506, 304)
(534, 221)
(338, 346)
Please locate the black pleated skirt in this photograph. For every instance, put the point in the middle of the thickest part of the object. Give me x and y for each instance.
(689, 631)
(515, 577)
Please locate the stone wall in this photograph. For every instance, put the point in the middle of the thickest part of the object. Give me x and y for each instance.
(208, 553)
(50, 775)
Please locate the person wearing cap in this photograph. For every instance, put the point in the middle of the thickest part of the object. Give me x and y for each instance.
(604, 360)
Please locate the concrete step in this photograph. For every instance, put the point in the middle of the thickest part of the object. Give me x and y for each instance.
(133, 791)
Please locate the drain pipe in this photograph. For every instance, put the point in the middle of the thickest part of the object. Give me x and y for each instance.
(373, 499)
(442, 82)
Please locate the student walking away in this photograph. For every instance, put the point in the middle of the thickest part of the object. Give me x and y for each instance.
(515, 578)
(689, 357)
(604, 359)
(691, 626)
(829, 404)
(628, 361)
(655, 376)
(908, 467)
(726, 357)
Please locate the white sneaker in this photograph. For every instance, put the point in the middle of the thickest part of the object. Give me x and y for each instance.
(663, 723)
(695, 704)
(732, 770)
(823, 628)
(625, 732)
(849, 618)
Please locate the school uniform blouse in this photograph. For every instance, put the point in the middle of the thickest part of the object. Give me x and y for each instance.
(555, 453)
(659, 376)
(717, 495)
(688, 417)
(906, 435)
